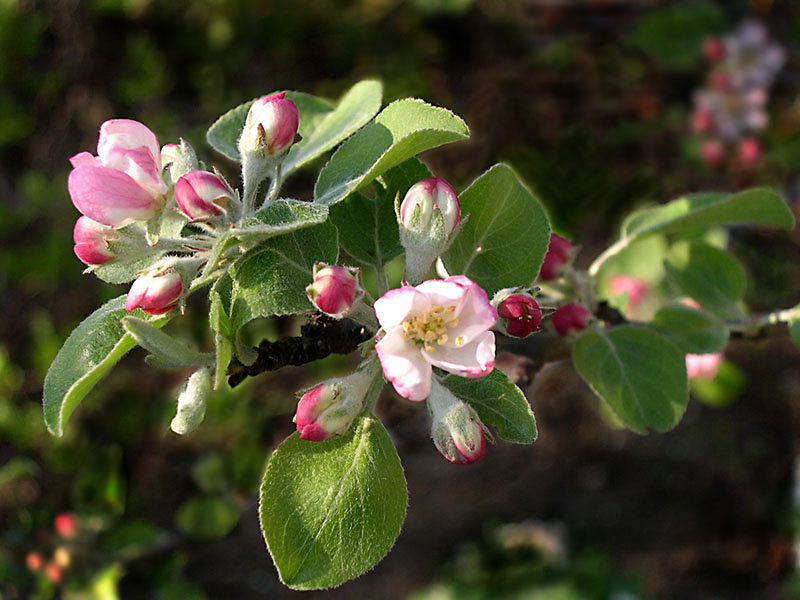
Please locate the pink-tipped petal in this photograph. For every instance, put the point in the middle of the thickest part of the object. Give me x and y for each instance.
(127, 134)
(403, 366)
(395, 306)
(475, 359)
(109, 196)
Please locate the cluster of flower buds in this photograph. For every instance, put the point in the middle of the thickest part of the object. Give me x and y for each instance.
(519, 313)
(456, 429)
(428, 218)
(329, 407)
(66, 529)
(731, 110)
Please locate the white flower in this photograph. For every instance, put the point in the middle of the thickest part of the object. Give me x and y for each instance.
(443, 323)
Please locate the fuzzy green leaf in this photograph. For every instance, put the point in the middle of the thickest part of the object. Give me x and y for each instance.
(640, 375)
(505, 239)
(168, 351)
(692, 331)
(400, 131)
(499, 403)
(331, 510)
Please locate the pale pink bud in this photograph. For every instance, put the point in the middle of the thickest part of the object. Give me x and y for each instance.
(456, 429)
(749, 151)
(92, 241)
(701, 121)
(635, 288)
(558, 252)
(570, 317)
(702, 366)
(155, 292)
(329, 407)
(424, 199)
(201, 194)
(334, 289)
(522, 314)
(65, 525)
(712, 153)
(713, 49)
(271, 125)
(311, 405)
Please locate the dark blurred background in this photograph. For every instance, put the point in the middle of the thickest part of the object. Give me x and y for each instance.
(590, 101)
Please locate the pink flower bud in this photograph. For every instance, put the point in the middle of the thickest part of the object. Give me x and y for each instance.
(635, 288)
(333, 290)
(155, 292)
(65, 525)
(271, 125)
(558, 252)
(702, 366)
(713, 49)
(329, 407)
(712, 153)
(92, 241)
(456, 429)
(701, 121)
(201, 194)
(570, 317)
(749, 151)
(424, 199)
(522, 314)
(122, 184)
(34, 561)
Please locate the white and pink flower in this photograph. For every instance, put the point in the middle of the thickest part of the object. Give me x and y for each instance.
(444, 323)
(203, 195)
(334, 289)
(123, 183)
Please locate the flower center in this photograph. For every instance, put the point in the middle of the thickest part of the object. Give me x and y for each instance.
(431, 327)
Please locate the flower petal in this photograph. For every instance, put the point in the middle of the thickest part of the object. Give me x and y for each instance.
(474, 359)
(404, 366)
(139, 165)
(110, 196)
(127, 134)
(395, 306)
(444, 292)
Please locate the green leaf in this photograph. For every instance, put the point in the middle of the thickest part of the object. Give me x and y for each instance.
(17, 467)
(352, 112)
(90, 351)
(281, 217)
(331, 510)
(640, 374)
(224, 134)
(505, 239)
(710, 276)
(699, 211)
(207, 517)
(169, 351)
(271, 278)
(400, 131)
(692, 331)
(499, 403)
(368, 226)
(219, 320)
(794, 327)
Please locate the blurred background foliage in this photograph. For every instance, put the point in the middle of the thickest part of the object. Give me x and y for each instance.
(589, 100)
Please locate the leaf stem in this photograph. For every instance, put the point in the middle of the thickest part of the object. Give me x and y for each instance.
(274, 187)
(382, 279)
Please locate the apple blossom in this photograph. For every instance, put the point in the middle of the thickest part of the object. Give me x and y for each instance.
(203, 195)
(155, 292)
(456, 429)
(329, 407)
(569, 317)
(702, 366)
(334, 289)
(270, 127)
(123, 183)
(558, 254)
(92, 241)
(439, 323)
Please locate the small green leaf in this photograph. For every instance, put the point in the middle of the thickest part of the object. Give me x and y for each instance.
(368, 226)
(352, 112)
(499, 403)
(331, 510)
(641, 375)
(399, 132)
(281, 217)
(90, 351)
(692, 331)
(207, 517)
(702, 211)
(167, 349)
(224, 134)
(710, 276)
(504, 241)
(271, 278)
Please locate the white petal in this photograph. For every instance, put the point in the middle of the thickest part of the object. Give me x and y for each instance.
(442, 292)
(475, 359)
(395, 306)
(404, 366)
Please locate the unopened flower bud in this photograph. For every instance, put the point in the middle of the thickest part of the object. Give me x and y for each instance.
(92, 241)
(749, 151)
(53, 572)
(570, 317)
(713, 49)
(177, 160)
(155, 292)
(65, 525)
(329, 407)
(428, 217)
(456, 429)
(625, 284)
(521, 314)
(271, 126)
(192, 403)
(334, 289)
(702, 366)
(558, 254)
(203, 195)
(712, 153)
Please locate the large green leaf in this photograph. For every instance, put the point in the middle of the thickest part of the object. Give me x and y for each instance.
(224, 134)
(700, 211)
(400, 131)
(353, 111)
(368, 226)
(640, 375)
(505, 239)
(499, 403)
(692, 331)
(271, 278)
(710, 276)
(331, 510)
(90, 351)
